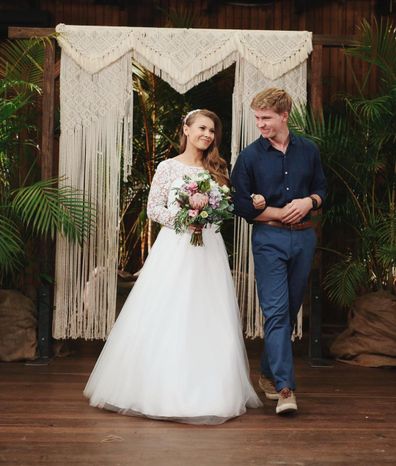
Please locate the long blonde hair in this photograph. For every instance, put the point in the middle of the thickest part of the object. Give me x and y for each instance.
(212, 161)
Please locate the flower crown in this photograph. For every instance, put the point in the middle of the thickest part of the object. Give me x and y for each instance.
(189, 114)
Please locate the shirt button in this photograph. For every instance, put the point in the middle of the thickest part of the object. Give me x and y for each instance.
(285, 173)
(287, 189)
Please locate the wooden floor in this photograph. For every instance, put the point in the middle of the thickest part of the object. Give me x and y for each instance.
(347, 415)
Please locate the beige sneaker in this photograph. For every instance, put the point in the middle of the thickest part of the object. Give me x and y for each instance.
(268, 387)
(287, 402)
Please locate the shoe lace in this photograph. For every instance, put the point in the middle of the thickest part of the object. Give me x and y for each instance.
(285, 393)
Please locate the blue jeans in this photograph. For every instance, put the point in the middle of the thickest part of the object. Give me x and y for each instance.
(282, 261)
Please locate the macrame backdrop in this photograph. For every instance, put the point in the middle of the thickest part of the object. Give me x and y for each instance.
(250, 80)
(96, 133)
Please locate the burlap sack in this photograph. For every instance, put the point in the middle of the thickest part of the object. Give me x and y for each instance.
(370, 339)
(18, 322)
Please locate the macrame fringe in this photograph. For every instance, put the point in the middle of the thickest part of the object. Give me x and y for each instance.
(231, 44)
(98, 131)
(273, 66)
(73, 41)
(245, 132)
(186, 81)
(86, 275)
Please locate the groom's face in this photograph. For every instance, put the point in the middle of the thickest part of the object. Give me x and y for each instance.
(270, 123)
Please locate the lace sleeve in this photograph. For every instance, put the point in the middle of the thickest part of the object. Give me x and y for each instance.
(157, 208)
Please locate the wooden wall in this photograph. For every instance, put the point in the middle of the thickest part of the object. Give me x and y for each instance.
(331, 17)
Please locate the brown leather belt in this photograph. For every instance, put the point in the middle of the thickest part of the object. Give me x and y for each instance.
(286, 226)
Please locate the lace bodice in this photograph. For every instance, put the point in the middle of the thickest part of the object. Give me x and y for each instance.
(160, 206)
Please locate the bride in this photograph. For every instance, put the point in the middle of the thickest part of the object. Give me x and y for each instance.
(176, 351)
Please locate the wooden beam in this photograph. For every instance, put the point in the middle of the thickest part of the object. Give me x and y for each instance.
(15, 32)
(45, 292)
(327, 40)
(47, 136)
(57, 69)
(330, 40)
(316, 80)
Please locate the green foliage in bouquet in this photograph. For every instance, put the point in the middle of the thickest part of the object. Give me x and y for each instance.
(202, 202)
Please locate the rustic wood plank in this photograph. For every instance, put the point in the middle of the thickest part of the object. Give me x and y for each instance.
(15, 32)
(346, 417)
(330, 40)
(48, 111)
(327, 40)
(316, 79)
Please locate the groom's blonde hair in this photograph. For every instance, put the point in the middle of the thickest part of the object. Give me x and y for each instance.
(274, 99)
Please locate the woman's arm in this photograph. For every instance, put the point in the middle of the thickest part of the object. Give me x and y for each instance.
(157, 204)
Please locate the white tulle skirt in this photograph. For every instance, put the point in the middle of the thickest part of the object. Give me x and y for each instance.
(176, 351)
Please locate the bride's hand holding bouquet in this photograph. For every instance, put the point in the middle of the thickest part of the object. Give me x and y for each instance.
(202, 202)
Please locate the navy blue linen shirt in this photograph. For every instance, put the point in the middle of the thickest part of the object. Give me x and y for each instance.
(280, 178)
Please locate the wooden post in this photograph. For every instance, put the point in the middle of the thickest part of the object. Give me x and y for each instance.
(47, 136)
(44, 299)
(316, 80)
(45, 292)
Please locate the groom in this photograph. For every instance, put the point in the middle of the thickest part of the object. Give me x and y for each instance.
(278, 181)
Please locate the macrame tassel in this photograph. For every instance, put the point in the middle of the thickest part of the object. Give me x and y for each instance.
(96, 124)
(248, 82)
(185, 57)
(96, 128)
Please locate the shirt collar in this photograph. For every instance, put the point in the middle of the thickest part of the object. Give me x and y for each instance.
(267, 145)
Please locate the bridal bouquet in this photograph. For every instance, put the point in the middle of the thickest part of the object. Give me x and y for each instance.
(202, 202)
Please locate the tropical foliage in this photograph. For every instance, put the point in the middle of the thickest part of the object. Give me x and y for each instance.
(28, 207)
(157, 112)
(358, 149)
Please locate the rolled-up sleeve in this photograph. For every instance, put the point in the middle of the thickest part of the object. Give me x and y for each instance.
(242, 184)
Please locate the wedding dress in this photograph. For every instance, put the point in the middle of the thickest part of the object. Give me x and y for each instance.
(176, 351)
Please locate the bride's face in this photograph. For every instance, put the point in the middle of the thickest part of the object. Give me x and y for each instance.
(201, 132)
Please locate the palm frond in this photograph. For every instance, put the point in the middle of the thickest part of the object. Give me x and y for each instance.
(22, 60)
(11, 246)
(377, 45)
(330, 133)
(181, 17)
(386, 239)
(343, 281)
(373, 109)
(47, 209)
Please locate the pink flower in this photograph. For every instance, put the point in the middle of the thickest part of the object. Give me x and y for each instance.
(198, 201)
(193, 212)
(192, 187)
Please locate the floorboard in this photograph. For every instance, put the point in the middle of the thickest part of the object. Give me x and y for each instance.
(347, 416)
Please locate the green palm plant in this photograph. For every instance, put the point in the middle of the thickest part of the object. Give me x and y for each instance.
(157, 113)
(157, 118)
(358, 151)
(29, 207)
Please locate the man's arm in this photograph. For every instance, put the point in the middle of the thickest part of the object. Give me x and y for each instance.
(298, 209)
(271, 213)
(243, 184)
